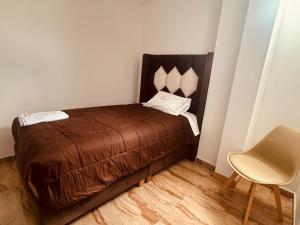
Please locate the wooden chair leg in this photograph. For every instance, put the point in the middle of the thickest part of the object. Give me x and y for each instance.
(237, 180)
(230, 180)
(141, 183)
(249, 205)
(251, 187)
(278, 201)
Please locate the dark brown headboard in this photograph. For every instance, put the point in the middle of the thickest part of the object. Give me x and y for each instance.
(201, 64)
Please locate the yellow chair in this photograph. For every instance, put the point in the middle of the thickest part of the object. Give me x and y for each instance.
(275, 161)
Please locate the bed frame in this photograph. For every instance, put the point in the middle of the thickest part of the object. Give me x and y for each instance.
(201, 64)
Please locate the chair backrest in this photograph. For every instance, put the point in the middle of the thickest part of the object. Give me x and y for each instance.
(281, 147)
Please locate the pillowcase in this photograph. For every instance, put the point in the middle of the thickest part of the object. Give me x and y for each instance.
(169, 103)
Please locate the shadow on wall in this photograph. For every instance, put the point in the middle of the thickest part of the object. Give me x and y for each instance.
(7, 142)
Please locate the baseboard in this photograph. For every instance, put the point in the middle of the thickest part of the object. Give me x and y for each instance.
(206, 164)
(283, 191)
(7, 159)
(222, 179)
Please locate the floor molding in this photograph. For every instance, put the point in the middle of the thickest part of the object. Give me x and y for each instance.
(223, 179)
(7, 159)
(206, 164)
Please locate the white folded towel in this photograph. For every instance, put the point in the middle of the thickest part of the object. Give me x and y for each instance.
(27, 119)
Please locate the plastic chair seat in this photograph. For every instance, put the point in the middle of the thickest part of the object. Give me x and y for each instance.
(256, 169)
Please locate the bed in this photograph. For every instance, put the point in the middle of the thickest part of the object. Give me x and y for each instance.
(71, 166)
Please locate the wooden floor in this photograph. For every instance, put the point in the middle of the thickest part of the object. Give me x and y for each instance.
(186, 193)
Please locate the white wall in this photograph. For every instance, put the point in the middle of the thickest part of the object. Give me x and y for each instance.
(231, 27)
(64, 54)
(255, 42)
(180, 26)
(279, 99)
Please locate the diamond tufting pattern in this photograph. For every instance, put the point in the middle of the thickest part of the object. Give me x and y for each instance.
(187, 82)
(173, 80)
(160, 78)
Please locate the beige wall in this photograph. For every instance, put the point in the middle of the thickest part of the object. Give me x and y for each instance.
(280, 92)
(65, 54)
(227, 48)
(255, 43)
(180, 26)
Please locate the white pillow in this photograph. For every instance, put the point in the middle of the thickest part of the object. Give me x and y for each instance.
(169, 103)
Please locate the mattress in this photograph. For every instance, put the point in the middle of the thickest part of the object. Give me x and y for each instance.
(65, 161)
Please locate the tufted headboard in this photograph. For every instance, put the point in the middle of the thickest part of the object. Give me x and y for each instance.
(183, 75)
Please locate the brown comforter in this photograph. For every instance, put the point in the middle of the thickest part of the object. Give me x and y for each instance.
(65, 161)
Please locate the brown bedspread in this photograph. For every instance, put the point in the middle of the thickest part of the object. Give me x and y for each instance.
(65, 161)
